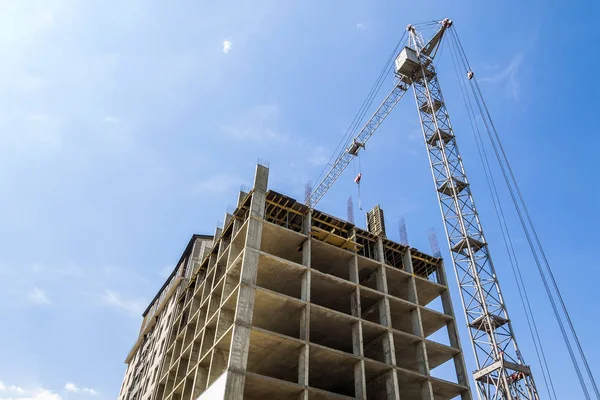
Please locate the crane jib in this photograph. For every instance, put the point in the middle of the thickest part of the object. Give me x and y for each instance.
(362, 137)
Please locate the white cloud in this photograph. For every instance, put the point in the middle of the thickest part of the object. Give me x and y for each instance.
(71, 387)
(131, 307)
(15, 389)
(38, 296)
(361, 26)
(226, 46)
(508, 76)
(40, 394)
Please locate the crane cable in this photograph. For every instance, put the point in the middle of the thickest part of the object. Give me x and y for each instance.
(483, 107)
(357, 178)
(528, 227)
(504, 228)
(534, 253)
(354, 125)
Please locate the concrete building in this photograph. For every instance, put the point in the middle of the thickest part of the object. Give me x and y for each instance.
(147, 354)
(291, 303)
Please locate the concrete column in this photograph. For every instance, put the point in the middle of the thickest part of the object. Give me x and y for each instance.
(459, 360)
(379, 250)
(303, 371)
(426, 390)
(238, 357)
(354, 278)
(216, 236)
(241, 196)
(389, 352)
(417, 328)
(360, 381)
(228, 218)
(307, 245)
(303, 358)
(408, 267)
(238, 222)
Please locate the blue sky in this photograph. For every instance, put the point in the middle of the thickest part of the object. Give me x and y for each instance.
(115, 120)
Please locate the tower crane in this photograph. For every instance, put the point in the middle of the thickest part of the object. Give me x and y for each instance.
(501, 372)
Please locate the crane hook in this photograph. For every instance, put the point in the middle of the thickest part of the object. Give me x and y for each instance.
(357, 181)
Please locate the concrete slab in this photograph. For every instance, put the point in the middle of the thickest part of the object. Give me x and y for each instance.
(331, 328)
(331, 292)
(405, 346)
(371, 332)
(274, 355)
(281, 242)
(366, 271)
(410, 383)
(443, 389)
(433, 321)
(318, 394)
(401, 311)
(427, 290)
(277, 312)
(375, 369)
(280, 275)
(398, 283)
(369, 304)
(330, 259)
(438, 353)
(258, 387)
(331, 370)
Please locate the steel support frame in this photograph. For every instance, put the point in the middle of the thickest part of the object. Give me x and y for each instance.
(501, 372)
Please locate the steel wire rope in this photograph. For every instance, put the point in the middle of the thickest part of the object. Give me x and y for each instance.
(525, 219)
(534, 232)
(527, 234)
(341, 147)
(503, 227)
(370, 97)
(555, 285)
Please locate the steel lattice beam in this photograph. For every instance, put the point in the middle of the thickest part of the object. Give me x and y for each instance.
(365, 133)
(501, 372)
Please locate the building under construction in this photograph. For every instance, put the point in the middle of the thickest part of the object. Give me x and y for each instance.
(287, 302)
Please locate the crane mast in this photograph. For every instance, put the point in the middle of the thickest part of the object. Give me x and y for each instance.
(501, 372)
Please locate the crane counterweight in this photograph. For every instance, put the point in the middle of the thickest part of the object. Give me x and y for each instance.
(407, 64)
